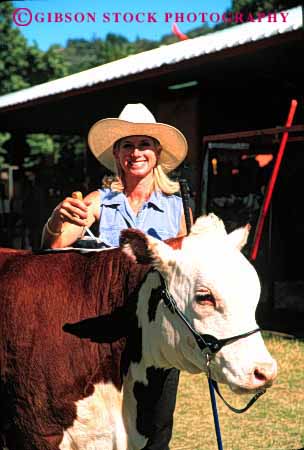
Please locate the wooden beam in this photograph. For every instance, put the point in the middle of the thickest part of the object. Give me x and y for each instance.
(252, 133)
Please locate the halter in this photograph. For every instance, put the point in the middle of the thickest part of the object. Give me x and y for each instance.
(207, 342)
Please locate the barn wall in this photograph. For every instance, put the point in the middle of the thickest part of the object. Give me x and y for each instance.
(182, 111)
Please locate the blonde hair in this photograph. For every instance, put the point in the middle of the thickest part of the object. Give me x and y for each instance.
(161, 181)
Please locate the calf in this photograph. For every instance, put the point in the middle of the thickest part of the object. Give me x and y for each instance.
(60, 392)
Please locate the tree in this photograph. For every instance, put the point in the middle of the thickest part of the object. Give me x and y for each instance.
(22, 66)
(13, 47)
(81, 54)
(253, 6)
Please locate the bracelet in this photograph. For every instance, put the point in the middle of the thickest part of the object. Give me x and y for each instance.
(51, 232)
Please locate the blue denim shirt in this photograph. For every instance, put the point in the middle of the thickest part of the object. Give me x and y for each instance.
(159, 217)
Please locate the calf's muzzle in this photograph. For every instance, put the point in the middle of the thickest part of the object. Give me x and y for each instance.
(264, 374)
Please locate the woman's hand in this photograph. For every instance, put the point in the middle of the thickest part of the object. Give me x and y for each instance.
(71, 210)
(69, 219)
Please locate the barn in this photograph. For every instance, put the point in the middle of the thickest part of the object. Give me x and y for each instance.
(230, 93)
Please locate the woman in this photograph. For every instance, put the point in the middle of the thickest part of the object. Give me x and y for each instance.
(140, 151)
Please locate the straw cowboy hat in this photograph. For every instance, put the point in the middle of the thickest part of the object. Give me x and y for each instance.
(136, 119)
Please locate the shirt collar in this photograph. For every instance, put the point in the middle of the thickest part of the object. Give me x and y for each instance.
(113, 198)
(156, 200)
(118, 198)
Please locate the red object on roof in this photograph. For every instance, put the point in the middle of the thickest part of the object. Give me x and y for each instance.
(175, 30)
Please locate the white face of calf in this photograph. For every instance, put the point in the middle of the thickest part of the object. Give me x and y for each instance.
(218, 290)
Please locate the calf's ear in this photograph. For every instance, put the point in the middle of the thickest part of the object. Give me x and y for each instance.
(238, 238)
(135, 245)
(145, 249)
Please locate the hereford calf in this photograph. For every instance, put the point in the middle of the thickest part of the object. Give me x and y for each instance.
(61, 392)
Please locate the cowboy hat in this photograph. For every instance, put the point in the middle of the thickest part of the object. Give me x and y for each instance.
(135, 119)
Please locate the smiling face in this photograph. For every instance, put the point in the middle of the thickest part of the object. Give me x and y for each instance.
(137, 155)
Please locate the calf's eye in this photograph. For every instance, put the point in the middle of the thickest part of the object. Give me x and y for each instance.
(205, 299)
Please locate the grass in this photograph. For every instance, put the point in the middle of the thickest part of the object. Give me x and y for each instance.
(275, 422)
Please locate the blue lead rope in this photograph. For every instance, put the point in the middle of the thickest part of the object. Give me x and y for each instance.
(215, 415)
(203, 341)
(185, 198)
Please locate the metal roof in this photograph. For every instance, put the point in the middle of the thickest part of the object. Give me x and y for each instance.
(165, 55)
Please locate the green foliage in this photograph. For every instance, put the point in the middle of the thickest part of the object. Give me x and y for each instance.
(200, 31)
(253, 6)
(3, 138)
(247, 6)
(81, 54)
(41, 145)
(45, 66)
(13, 64)
(22, 65)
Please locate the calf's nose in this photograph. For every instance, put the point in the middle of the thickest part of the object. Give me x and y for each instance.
(264, 374)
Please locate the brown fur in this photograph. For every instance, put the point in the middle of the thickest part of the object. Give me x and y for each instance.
(44, 371)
